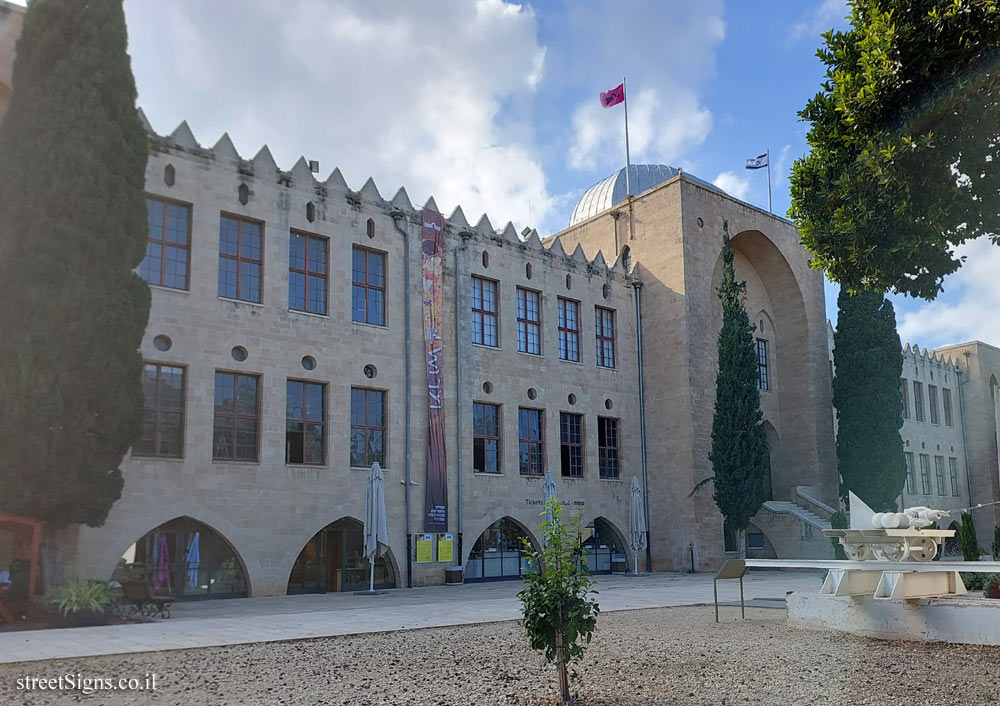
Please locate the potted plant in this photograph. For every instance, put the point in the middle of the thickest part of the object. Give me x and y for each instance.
(83, 602)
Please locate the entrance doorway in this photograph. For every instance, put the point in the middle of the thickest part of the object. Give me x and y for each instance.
(334, 560)
(602, 551)
(498, 553)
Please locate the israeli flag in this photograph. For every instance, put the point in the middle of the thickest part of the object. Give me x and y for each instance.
(758, 162)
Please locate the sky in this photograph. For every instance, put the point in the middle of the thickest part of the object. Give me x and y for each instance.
(494, 105)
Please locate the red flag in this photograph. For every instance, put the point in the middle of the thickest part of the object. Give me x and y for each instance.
(614, 96)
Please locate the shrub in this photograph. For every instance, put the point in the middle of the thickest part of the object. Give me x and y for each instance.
(838, 520)
(967, 538)
(992, 589)
(558, 615)
(996, 543)
(82, 596)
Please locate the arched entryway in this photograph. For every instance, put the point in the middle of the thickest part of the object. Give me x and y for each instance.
(186, 559)
(603, 550)
(334, 560)
(499, 553)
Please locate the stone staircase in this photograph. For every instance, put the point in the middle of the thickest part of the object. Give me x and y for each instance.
(807, 516)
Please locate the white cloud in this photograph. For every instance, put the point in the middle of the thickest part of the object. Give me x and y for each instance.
(967, 309)
(733, 184)
(434, 95)
(668, 56)
(824, 16)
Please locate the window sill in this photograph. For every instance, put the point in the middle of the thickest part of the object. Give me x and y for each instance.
(485, 474)
(171, 459)
(309, 313)
(612, 480)
(165, 288)
(572, 362)
(381, 327)
(366, 469)
(533, 355)
(610, 369)
(532, 476)
(224, 462)
(305, 465)
(240, 301)
(486, 346)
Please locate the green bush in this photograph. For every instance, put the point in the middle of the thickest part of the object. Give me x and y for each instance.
(82, 596)
(992, 589)
(558, 615)
(967, 538)
(996, 543)
(838, 520)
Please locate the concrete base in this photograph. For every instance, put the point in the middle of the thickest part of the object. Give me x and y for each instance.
(970, 621)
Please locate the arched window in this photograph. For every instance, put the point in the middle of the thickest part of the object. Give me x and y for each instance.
(627, 258)
(498, 553)
(243, 194)
(169, 175)
(333, 560)
(370, 228)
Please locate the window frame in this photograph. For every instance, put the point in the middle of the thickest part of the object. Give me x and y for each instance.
(485, 314)
(539, 442)
(600, 338)
(918, 401)
(302, 420)
(942, 486)
(236, 416)
(486, 438)
(239, 259)
(164, 243)
(604, 451)
(156, 410)
(306, 273)
(570, 446)
(953, 472)
(910, 484)
(932, 405)
(384, 463)
(566, 333)
(526, 324)
(364, 285)
(925, 474)
(949, 414)
(763, 364)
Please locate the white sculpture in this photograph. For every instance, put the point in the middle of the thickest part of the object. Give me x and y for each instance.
(891, 536)
(921, 517)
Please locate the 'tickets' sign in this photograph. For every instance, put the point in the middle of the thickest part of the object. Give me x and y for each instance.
(432, 265)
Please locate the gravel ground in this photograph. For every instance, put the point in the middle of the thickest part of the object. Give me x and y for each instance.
(667, 656)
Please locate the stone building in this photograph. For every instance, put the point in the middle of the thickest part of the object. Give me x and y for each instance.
(11, 19)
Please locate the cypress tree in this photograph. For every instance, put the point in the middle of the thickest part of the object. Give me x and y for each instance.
(996, 543)
(72, 230)
(967, 538)
(866, 394)
(739, 452)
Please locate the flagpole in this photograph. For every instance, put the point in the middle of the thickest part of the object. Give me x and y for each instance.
(628, 163)
(768, 158)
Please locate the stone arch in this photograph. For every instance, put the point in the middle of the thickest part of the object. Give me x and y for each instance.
(767, 551)
(476, 568)
(774, 289)
(236, 581)
(602, 524)
(302, 543)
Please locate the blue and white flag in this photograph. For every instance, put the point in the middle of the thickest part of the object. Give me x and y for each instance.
(758, 162)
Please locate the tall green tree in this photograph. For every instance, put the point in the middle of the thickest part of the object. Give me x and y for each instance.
(739, 454)
(72, 230)
(903, 143)
(967, 538)
(866, 393)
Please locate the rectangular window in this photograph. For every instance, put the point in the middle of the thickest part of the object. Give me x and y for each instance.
(918, 401)
(569, 330)
(925, 474)
(949, 420)
(237, 417)
(762, 381)
(484, 312)
(307, 273)
(942, 489)
(305, 422)
(168, 252)
(909, 472)
(485, 437)
(953, 472)
(367, 427)
(241, 258)
(604, 326)
(162, 412)
(531, 448)
(368, 286)
(571, 444)
(906, 398)
(728, 537)
(607, 446)
(932, 403)
(529, 317)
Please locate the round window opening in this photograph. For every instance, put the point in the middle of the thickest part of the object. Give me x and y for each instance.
(162, 343)
(608, 404)
(701, 223)
(532, 394)
(606, 291)
(370, 371)
(308, 362)
(571, 399)
(487, 387)
(239, 353)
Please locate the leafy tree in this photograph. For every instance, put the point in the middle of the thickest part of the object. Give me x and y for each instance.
(739, 454)
(838, 520)
(996, 543)
(558, 615)
(904, 144)
(866, 393)
(967, 538)
(72, 230)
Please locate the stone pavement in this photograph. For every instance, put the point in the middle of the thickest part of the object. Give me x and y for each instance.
(251, 620)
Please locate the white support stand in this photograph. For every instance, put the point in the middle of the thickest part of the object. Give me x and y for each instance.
(909, 585)
(848, 582)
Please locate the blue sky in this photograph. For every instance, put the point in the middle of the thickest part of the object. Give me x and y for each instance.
(493, 105)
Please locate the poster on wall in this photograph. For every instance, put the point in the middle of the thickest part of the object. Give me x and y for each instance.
(425, 548)
(446, 543)
(432, 267)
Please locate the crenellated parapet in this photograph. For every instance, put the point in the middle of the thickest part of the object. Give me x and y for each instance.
(263, 168)
(926, 357)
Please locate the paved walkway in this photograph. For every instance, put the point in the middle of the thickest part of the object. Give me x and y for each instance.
(251, 620)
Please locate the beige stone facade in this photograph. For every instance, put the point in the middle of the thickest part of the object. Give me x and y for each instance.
(11, 19)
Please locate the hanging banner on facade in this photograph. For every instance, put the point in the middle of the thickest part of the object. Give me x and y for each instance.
(432, 265)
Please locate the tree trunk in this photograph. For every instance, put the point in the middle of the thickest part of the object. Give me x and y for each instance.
(561, 666)
(741, 542)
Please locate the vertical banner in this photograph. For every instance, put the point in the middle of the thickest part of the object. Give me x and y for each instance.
(432, 266)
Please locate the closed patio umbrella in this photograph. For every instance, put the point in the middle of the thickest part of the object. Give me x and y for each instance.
(637, 524)
(193, 560)
(376, 531)
(548, 491)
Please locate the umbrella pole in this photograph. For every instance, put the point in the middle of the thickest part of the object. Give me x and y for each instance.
(635, 563)
(371, 574)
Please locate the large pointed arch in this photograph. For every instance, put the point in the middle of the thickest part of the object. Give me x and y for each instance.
(498, 552)
(331, 559)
